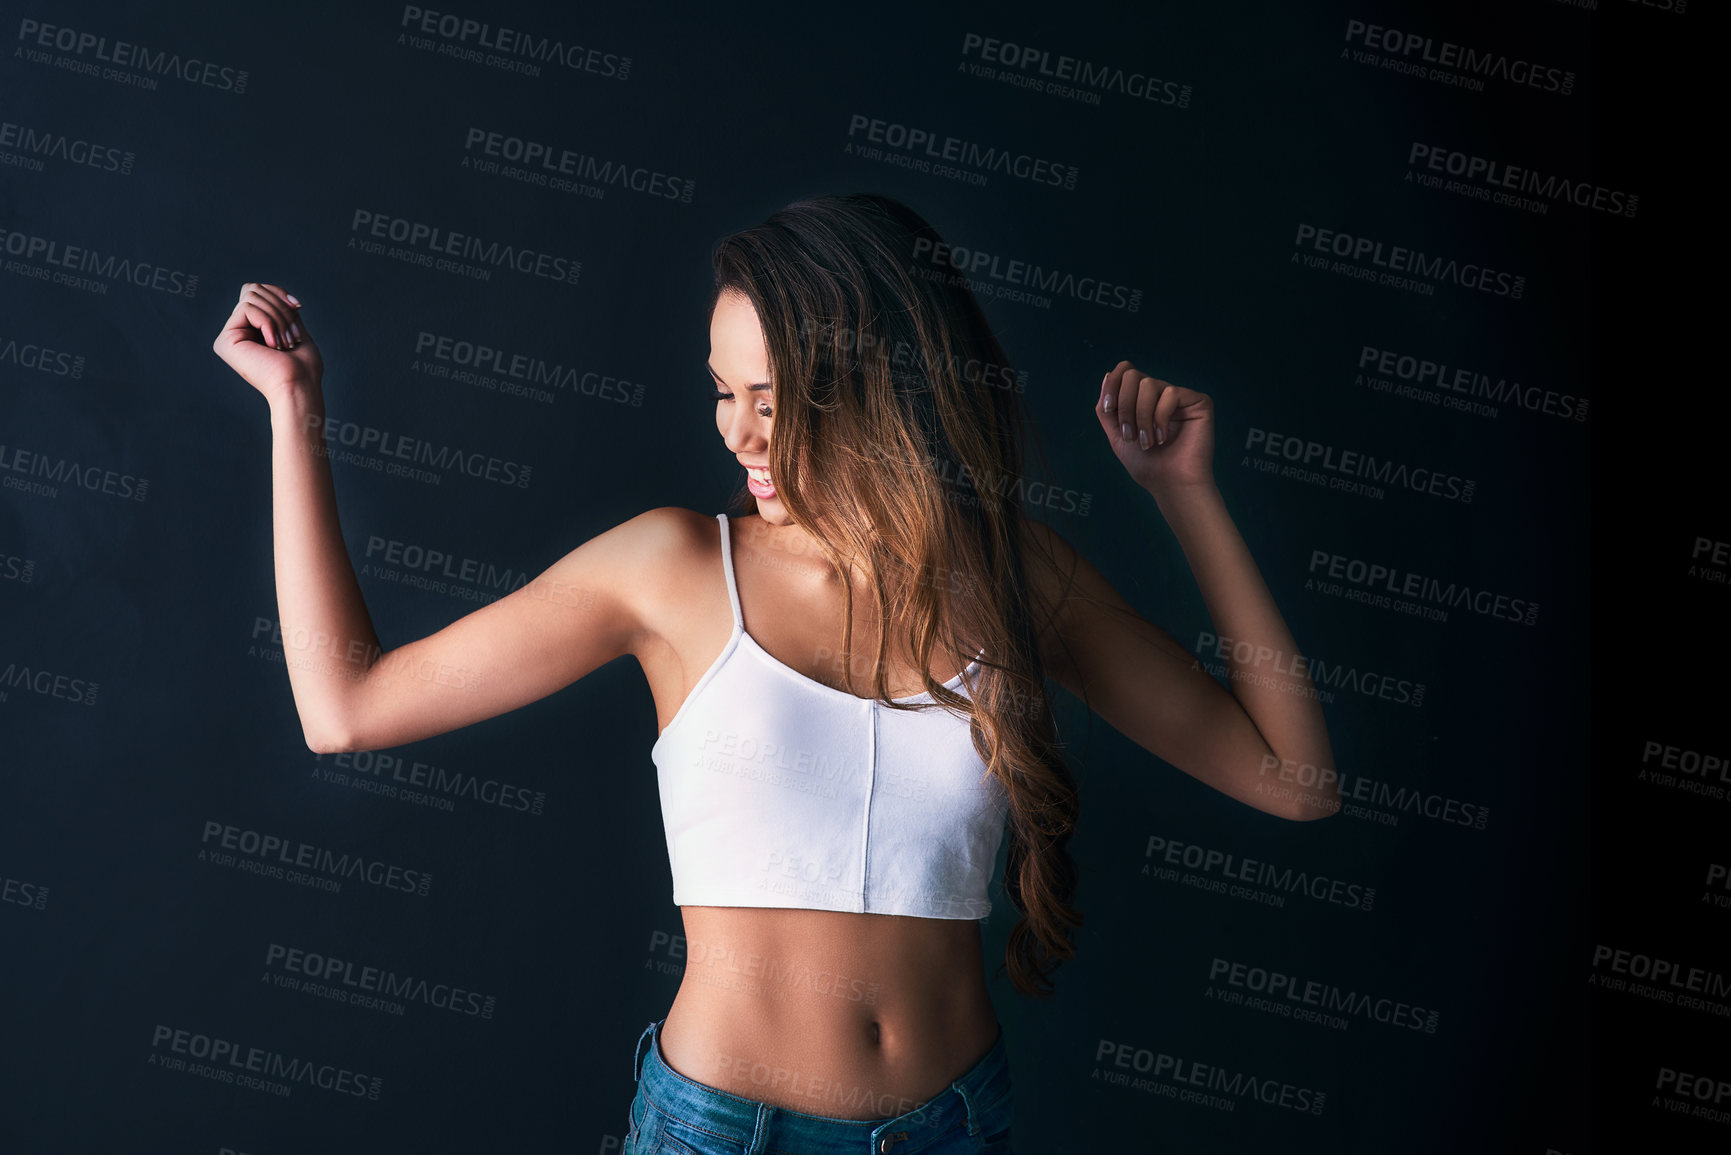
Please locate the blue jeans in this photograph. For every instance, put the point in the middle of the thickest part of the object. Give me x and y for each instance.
(674, 1115)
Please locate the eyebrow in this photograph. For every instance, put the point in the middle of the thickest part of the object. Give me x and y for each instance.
(719, 381)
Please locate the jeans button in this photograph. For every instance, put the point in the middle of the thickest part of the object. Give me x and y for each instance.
(891, 1140)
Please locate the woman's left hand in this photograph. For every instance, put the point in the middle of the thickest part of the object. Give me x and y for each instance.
(1148, 407)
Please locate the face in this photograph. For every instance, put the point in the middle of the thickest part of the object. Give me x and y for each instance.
(744, 402)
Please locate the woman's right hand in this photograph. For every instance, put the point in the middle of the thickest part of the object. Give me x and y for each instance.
(267, 343)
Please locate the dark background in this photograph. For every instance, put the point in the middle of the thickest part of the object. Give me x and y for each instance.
(168, 708)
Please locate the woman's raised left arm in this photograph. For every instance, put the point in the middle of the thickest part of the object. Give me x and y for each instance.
(1265, 743)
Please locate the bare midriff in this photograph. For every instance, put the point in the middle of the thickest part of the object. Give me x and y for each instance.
(853, 1016)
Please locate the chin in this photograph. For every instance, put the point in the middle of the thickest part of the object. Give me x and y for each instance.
(773, 512)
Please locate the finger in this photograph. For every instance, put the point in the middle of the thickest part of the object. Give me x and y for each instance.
(1113, 399)
(1109, 386)
(296, 331)
(1109, 389)
(283, 314)
(263, 312)
(1147, 398)
(236, 325)
(1131, 404)
(269, 325)
(288, 298)
(234, 330)
(271, 306)
(1163, 412)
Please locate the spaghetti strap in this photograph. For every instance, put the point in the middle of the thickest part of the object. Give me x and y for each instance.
(733, 584)
(727, 568)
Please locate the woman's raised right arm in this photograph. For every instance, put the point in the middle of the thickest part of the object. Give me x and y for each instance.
(583, 611)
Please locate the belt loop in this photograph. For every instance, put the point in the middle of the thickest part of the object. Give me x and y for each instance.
(760, 1132)
(637, 1060)
(973, 1117)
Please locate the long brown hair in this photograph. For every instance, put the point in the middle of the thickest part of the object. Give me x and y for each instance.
(898, 441)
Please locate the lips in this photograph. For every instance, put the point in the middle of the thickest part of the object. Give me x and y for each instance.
(757, 481)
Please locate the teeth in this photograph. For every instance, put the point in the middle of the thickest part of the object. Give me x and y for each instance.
(760, 474)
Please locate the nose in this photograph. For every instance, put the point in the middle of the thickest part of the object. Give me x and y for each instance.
(744, 431)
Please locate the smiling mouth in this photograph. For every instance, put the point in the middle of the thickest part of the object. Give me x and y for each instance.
(758, 482)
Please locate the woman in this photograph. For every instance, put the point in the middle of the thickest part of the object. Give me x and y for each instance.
(833, 805)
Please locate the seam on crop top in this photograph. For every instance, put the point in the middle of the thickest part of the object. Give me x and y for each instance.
(865, 836)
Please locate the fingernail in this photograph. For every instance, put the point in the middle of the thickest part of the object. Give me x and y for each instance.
(295, 328)
(1161, 434)
(1126, 428)
(294, 300)
(1145, 441)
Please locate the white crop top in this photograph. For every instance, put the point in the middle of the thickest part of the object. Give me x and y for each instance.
(780, 791)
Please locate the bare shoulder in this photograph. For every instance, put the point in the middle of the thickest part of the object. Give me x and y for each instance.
(666, 529)
(1066, 595)
(665, 559)
(1052, 567)
(659, 548)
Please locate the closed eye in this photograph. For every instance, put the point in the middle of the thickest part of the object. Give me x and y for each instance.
(764, 408)
(722, 395)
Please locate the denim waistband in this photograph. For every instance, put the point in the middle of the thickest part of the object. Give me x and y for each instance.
(758, 1126)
